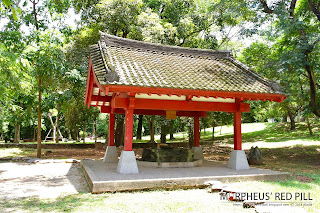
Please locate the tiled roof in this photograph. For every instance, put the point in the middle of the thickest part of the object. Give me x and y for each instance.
(119, 61)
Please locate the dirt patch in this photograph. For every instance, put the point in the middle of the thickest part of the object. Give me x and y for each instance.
(74, 153)
(303, 178)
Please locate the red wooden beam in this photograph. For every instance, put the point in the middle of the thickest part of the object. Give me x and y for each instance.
(237, 127)
(111, 129)
(128, 130)
(103, 89)
(101, 98)
(91, 81)
(88, 82)
(107, 109)
(179, 105)
(90, 90)
(197, 93)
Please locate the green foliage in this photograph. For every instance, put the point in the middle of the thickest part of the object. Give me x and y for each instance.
(77, 51)
(117, 16)
(78, 116)
(151, 28)
(291, 54)
(11, 7)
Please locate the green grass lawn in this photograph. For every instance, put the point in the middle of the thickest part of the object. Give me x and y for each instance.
(192, 200)
(251, 132)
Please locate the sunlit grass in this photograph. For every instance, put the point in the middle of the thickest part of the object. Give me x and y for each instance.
(195, 200)
(219, 131)
(16, 152)
(251, 132)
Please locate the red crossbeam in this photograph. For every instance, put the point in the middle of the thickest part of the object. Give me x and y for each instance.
(179, 105)
(197, 93)
(107, 109)
(101, 98)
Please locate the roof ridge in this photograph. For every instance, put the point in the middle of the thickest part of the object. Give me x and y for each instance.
(112, 40)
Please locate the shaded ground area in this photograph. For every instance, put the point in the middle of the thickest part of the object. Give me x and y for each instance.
(296, 160)
(49, 180)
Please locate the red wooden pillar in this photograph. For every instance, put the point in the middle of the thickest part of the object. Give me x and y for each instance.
(196, 131)
(128, 130)
(237, 127)
(111, 129)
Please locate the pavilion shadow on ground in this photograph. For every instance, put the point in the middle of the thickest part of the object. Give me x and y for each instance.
(103, 177)
(77, 178)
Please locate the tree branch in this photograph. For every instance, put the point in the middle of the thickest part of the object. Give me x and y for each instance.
(315, 8)
(196, 31)
(318, 85)
(265, 6)
(292, 6)
(34, 4)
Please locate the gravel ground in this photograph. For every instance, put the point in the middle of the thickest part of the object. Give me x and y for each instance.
(48, 179)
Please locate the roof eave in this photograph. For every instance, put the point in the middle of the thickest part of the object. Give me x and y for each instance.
(277, 97)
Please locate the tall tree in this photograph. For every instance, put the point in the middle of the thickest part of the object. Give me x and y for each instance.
(298, 28)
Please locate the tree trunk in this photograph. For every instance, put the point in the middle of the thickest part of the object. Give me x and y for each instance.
(57, 127)
(34, 133)
(212, 133)
(284, 118)
(119, 133)
(69, 135)
(125, 34)
(204, 131)
(171, 130)
(76, 132)
(190, 134)
(39, 122)
(94, 132)
(163, 138)
(84, 133)
(292, 122)
(171, 135)
(16, 133)
(163, 134)
(152, 132)
(309, 127)
(151, 127)
(139, 130)
(315, 109)
(34, 3)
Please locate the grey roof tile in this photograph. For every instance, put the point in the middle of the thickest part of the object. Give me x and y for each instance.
(137, 63)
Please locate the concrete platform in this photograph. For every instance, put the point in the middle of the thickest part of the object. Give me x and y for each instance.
(103, 177)
(171, 164)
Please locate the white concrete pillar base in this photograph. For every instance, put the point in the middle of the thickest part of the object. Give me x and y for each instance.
(197, 153)
(127, 163)
(238, 160)
(111, 155)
